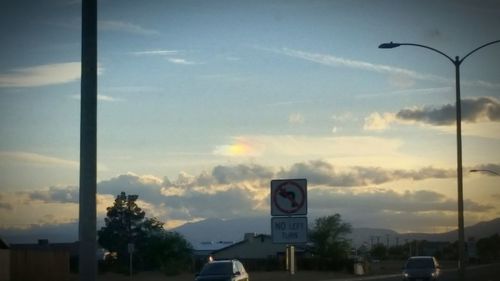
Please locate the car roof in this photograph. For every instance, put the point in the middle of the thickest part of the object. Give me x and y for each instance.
(222, 261)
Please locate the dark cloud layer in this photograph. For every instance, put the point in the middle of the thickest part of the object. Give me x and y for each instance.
(230, 174)
(238, 191)
(322, 173)
(384, 200)
(56, 195)
(473, 110)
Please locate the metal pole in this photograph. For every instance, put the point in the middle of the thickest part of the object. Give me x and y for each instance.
(458, 105)
(130, 247)
(88, 145)
(460, 199)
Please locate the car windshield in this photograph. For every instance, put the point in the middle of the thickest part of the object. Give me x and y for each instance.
(217, 268)
(419, 263)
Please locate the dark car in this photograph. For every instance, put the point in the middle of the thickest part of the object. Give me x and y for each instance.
(223, 270)
(421, 268)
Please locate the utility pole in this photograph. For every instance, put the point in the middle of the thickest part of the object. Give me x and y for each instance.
(88, 145)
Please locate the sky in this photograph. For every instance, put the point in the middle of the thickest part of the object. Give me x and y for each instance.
(202, 103)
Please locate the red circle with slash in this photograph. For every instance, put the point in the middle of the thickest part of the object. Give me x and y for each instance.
(282, 191)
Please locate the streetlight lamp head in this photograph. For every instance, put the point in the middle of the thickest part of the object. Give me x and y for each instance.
(484, 170)
(389, 45)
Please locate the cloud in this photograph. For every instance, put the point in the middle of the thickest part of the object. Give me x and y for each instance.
(125, 27)
(147, 187)
(170, 55)
(386, 200)
(35, 159)
(5, 205)
(323, 173)
(234, 202)
(239, 173)
(399, 77)
(181, 61)
(331, 60)
(420, 210)
(103, 98)
(107, 98)
(236, 191)
(155, 52)
(482, 109)
(68, 194)
(296, 119)
(379, 122)
(42, 75)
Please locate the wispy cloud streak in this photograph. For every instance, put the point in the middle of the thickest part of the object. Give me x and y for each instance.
(42, 75)
(126, 27)
(155, 52)
(330, 60)
(35, 159)
(181, 61)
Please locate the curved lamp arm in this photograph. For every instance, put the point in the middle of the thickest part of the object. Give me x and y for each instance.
(455, 61)
(394, 45)
(485, 170)
(480, 47)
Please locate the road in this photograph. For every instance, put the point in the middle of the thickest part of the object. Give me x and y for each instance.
(490, 272)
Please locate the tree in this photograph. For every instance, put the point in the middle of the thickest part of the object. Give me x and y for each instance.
(330, 244)
(126, 223)
(379, 251)
(488, 248)
(169, 252)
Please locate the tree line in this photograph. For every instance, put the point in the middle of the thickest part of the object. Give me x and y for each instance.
(127, 230)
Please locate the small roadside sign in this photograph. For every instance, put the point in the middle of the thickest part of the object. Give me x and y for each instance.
(289, 230)
(289, 197)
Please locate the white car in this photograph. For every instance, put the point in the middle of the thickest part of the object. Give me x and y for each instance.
(223, 270)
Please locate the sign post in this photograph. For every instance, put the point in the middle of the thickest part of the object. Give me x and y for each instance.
(289, 230)
(289, 216)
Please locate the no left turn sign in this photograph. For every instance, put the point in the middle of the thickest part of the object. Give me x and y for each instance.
(289, 197)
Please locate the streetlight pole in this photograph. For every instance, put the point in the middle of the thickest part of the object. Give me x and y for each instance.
(458, 106)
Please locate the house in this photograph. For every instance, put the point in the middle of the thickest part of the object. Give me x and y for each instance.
(257, 252)
(203, 250)
(251, 247)
(4, 260)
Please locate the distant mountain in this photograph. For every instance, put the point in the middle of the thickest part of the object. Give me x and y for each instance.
(477, 231)
(234, 229)
(224, 230)
(60, 233)
(364, 235)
